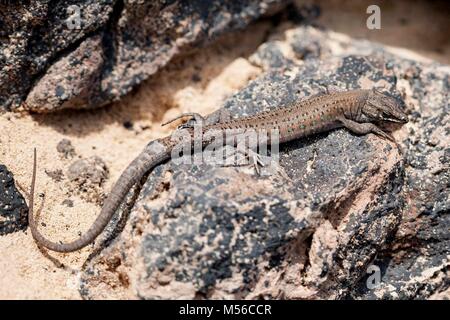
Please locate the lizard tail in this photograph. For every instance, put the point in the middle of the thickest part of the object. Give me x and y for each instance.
(131, 175)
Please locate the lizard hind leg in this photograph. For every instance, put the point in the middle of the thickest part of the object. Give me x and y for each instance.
(194, 117)
(219, 116)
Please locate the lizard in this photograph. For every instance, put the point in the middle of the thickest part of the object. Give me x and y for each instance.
(359, 111)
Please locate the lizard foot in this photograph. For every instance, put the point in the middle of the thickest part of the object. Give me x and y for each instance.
(251, 159)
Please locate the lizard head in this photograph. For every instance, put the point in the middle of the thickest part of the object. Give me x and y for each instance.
(381, 106)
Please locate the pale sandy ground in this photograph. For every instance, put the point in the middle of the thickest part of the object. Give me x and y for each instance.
(418, 25)
(25, 272)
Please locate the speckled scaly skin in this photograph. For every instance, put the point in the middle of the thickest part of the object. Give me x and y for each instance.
(356, 110)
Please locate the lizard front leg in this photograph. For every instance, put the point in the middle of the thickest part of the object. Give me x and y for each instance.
(364, 128)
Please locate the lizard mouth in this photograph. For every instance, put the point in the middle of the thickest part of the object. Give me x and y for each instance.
(391, 118)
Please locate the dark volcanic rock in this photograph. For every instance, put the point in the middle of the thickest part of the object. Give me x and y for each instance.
(346, 217)
(417, 264)
(341, 208)
(52, 60)
(13, 209)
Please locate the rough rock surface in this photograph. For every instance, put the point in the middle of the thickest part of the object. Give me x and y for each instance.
(13, 209)
(346, 210)
(49, 61)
